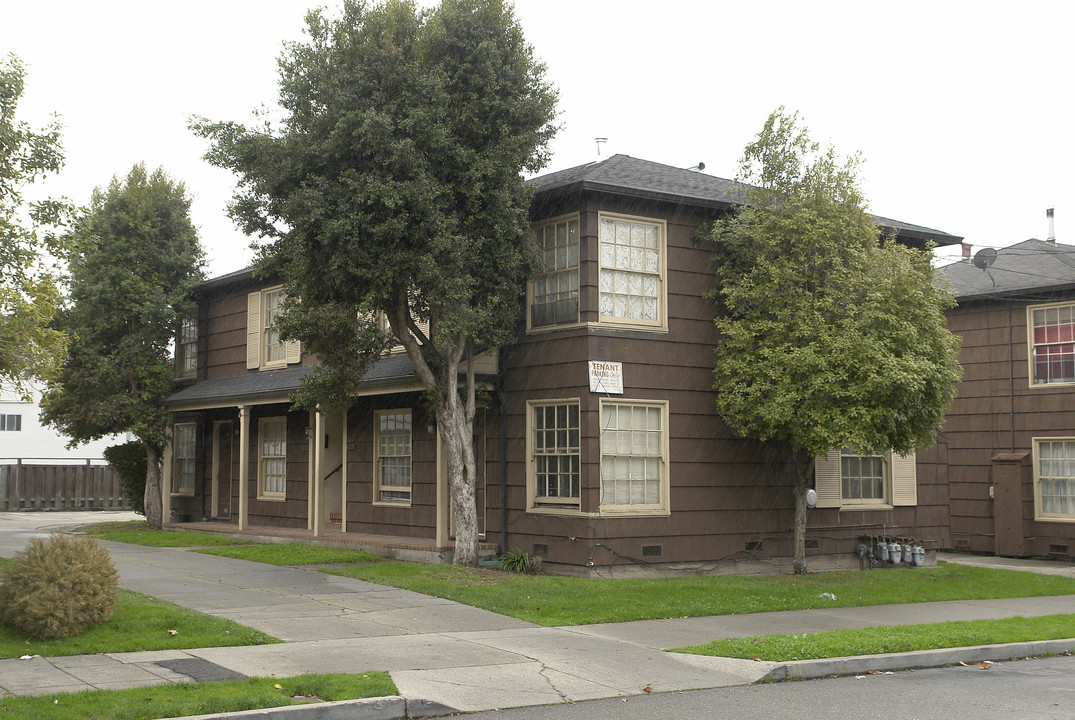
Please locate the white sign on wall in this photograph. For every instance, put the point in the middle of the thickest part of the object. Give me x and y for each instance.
(606, 377)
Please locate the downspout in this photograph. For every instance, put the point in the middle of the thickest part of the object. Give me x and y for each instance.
(1011, 379)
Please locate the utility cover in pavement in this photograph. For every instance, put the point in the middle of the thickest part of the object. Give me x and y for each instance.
(200, 670)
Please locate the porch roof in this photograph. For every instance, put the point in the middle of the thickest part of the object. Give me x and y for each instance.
(259, 388)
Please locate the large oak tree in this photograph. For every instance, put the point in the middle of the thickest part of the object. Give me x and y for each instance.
(832, 334)
(393, 189)
(137, 261)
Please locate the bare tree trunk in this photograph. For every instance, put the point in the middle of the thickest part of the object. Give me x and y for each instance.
(152, 499)
(455, 418)
(458, 418)
(802, 474)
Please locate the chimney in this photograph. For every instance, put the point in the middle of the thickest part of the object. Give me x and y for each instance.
(1052, 230)
(966, 250)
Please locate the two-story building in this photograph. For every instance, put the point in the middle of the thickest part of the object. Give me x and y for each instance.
(599, 447)
(1008, 444)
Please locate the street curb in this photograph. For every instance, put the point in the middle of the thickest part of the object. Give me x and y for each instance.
(381, 708)
(860, 664)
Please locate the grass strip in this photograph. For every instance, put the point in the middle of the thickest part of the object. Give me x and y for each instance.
(138, 532)
(139, 622)
(889, 639)
(294, 554)
(553, 601)
(168, 701)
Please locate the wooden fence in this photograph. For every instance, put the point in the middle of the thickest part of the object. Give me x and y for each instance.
(60, 487)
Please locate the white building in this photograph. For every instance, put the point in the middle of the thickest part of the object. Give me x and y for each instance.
(23, 437)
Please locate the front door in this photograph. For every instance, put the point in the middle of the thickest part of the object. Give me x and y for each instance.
(222, 435)
(332, 487)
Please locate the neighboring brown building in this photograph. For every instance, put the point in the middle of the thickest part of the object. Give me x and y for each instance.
(1008, 445)
(600, 447)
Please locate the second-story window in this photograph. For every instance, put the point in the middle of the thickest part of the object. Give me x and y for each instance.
(264, 348)
(632, 276)
(1052, 342)
(186, 348)
(555, 297)
(274, 347)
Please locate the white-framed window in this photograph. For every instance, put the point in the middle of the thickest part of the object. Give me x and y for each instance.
(631, 283)
(272, 458)
(184, 437)
(1052, 344)
(392, 456)
(1054, 479)
(386, 328)
(854, 479)
(554, 477)
(186, 349)
(272, 346)
(634, 457)
(554, 291)
(264, 348)
(10, 423)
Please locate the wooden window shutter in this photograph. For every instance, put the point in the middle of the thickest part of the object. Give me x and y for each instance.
(253, 330)
(292, 351)
(904, 480)
(827, 480)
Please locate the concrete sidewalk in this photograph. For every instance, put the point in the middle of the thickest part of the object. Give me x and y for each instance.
(447, 657)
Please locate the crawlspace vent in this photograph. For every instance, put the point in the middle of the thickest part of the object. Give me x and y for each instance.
(651, 551)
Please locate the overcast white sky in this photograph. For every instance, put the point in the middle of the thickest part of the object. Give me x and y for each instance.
(961, 109)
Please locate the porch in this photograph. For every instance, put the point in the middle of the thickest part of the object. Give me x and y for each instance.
(409, 549)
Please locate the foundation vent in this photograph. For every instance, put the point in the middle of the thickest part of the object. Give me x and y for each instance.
(812, 544)
(754, 546)
(651, 551)
(1058, 549)
(541, 549)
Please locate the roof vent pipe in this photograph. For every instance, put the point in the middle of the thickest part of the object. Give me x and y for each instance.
(1051, 238)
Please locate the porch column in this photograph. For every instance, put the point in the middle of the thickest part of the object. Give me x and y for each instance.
(317, 473)
(244, 464)
(444, 498)
(166, 477)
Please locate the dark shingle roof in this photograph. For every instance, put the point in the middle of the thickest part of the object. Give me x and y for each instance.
(625, 175)
(279, 384)
(1032, 266)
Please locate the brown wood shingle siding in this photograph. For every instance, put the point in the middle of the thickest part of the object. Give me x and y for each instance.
(997, 411)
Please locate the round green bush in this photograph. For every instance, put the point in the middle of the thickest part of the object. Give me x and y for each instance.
(59, 587)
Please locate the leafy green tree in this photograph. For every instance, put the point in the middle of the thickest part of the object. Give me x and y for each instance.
(394, 190)
(831, 334)
(138, 260)
(30, 250)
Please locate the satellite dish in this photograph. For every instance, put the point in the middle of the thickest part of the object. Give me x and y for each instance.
(984, 258)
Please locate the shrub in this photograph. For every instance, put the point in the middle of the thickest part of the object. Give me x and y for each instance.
(516, 560)
(129, 462)
(59, 587)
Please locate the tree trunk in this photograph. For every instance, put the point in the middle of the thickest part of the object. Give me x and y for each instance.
(457, 417)
(461, 483)
(799, 562)
(803, 468)
(152, 499)
(455, 421)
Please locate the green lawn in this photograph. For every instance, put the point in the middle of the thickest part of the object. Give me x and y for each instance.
(139, 622)
(889, 639)
(294, 554)
(166, 701)
(137, 532)
(552, 601)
